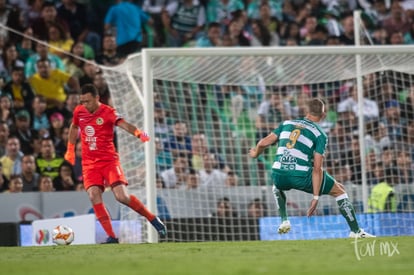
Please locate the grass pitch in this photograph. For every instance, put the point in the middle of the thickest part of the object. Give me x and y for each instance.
(391, 255)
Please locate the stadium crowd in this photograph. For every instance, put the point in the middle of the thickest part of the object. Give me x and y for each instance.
(39, 84)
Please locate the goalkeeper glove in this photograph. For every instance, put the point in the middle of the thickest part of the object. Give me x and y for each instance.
(144, 137)
(70, 153)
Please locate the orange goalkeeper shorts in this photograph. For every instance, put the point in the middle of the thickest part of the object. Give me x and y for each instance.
(103, 175)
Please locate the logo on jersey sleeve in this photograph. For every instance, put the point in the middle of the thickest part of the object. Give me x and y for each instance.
(90, 137)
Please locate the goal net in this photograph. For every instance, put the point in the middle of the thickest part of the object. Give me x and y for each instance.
(208, 107)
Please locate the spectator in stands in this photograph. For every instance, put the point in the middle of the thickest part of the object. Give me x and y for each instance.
(25, 45)
(409, 139)
(42, 52)
(224, 209)
(40, 119)
(155, 9)
(393, 122)
(407, 106)
(23, 131)
(290, 34)
(339, 140)
(378, 173)
(89, 70)
(72, 100)
(48, 162)
(318, 37)
(404, 166)
(61, 145)
(19, 89)
(397, 22)
(176, 175)
(109, 55)
(348, 120)
(376, 137)
(380, 36)
(163, 158)
(209, 175)
(237, 37)
(409, 35)
(261, 36)
(74, 63)
(192, 180)
(256, 209)
(51, 84)
(183, 21)
(396, 38)
(162, 129)
(7, 15)
(4, 182)
(9, 59)
(308, 28)
(128, 20)
(29, 176)
(199, 148)
(268, 14)
(47, 17)
(354, 159)
(79, 19)
(59, 43)
(102, 86)
(387, 95)
(383, 197)
(388, 157)
(232, 179)
(347, 36)
(270, 113)
(222, 11)
(11, 162)
(6, 109)
(15, 184)
(370, 108)
(57, 123)
(4, 135)
(159, 182)
(179, 141)
(66, 180)
(212, 38)
(46, 184)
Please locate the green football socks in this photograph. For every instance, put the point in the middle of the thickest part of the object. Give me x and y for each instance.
(280, 198)
(347, 210)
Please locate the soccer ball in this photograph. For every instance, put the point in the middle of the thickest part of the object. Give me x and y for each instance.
(63, 235)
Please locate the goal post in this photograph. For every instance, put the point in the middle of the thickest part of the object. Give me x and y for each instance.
(204, 88)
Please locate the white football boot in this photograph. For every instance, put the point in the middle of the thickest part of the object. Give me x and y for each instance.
(284, 227)
(361, 234)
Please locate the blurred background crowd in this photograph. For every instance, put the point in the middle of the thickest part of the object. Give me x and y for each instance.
(49, 49)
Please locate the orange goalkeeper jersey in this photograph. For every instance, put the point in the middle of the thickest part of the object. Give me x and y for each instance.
(97, 133)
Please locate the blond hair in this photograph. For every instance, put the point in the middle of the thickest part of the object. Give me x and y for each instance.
(316, 107)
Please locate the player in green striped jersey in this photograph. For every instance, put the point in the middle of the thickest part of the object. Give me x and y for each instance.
(301, 145)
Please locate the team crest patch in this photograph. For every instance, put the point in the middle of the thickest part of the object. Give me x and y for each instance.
(99, 121)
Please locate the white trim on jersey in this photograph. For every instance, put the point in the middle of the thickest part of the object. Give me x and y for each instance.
(277, 165)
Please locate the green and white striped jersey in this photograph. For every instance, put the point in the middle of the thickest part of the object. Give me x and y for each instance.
(298, 140)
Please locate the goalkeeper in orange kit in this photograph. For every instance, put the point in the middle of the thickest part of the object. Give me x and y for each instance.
(100, 161)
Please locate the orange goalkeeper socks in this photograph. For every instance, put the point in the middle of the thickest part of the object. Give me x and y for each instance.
(104, 219)
(140, 208)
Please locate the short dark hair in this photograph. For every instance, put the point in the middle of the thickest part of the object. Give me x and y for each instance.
(89, 89)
